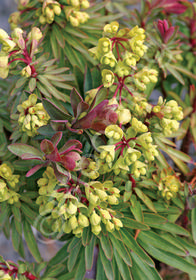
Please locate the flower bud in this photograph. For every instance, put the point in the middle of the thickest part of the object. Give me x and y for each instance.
(74, 21)
(83, 220)
(71, 209)
(78, 232)
(112, 199)
(117, 223)
(104, 214)
(3, 35)
(107, 78)
(8, 45)
(109, 226)
(96, 229)
(93, 198)
(124, 115)
(35, 34)
(73, 223)
(57, 9)
(101, 194)
(95, 219)
(85, 4)
(4, 72)
(114, 131)
(26, 71)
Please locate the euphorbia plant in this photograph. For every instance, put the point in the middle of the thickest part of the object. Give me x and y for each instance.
(84, 164)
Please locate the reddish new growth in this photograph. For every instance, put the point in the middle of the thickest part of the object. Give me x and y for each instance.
(117, 41)
(123, 144)
(13, 271)
(27, 57)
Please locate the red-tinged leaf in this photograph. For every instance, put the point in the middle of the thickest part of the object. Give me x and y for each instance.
(34, 170)
(82, 107)
(56, 138)
(71, 145)
(62, 174)
(19, 149)
(47, 147)
(68, 162)
(76, 98)
(30, 156)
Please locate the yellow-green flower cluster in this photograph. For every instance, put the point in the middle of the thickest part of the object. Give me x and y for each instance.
(32, 116)
(8, 183)
(48, 182)
(99, 196)
(50, 8)
(5, 276)
(92, 170)
(73, 13)
(168, 183)
(15, 49)
(120, 50)
(149, 150)
(169, 187)
(126, 152)
(14, 20)
(171, 115)
(67, 214)
(144, 77)
(7, 46)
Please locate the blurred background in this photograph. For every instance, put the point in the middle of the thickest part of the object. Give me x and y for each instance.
(6, 8)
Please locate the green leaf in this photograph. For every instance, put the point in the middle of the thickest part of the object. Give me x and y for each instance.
(86, 236)
(145, 199)
(123, 268)
(88, 83)
(189, 246)
(31, 241)
(137, 211)
(131, 243)
(73, 243)
(89, 253)
(67, 276)
(16, 213)
(15, 236)
(54, 270)
(184, 71)
(32, 84)
(106, 246)
(149, 273)
(107, 265)
(193, 223)
(173, 228)
(159, 242)
(19, 149)
(60, 256)
(100, 275)
(73, 256)
(170, 259)
(151, 219)
(28, 211)
(81, 270)
(175, 73)
(122, 250)
(54, 112)
(131, 223)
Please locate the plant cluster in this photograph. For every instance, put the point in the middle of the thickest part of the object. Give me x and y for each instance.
(85, 152)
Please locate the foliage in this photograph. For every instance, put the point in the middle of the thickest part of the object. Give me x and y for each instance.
(86, 156)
